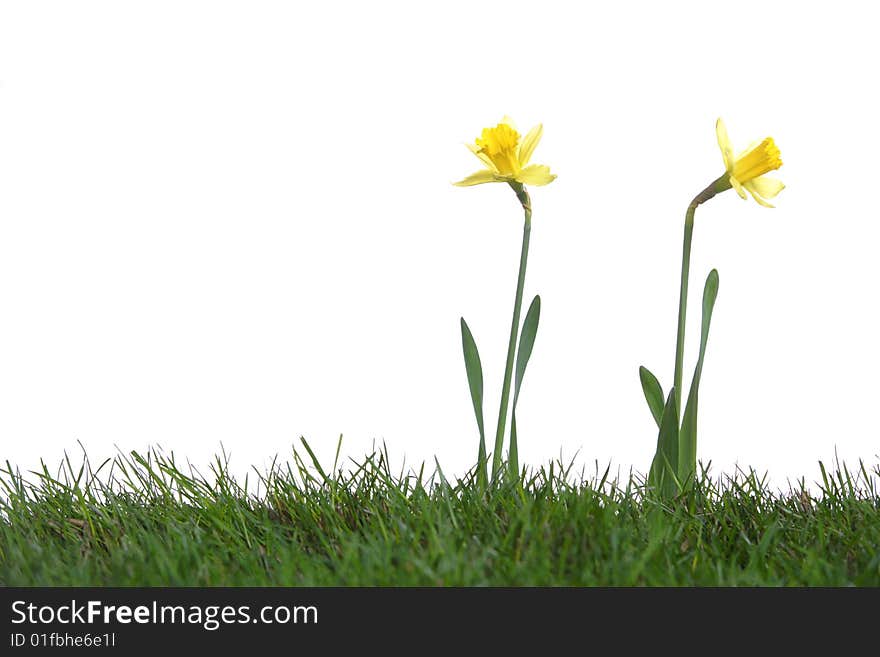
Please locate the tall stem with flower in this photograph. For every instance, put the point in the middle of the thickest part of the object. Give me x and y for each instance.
(675, 459)
(506, 157)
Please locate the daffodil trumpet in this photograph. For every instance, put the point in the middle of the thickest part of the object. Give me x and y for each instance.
(506, 157)
(675, 459)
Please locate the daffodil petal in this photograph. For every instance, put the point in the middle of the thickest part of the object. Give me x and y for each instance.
(767, 187)
(755, 195)
(738, 187)
(528, 144)
(506, 120)
(485, 159)
(725, 146)
(535, 174)
(478, 178)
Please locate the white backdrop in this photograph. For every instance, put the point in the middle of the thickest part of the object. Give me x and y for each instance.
(232, 222)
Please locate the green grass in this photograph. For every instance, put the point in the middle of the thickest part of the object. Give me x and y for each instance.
(145, 520)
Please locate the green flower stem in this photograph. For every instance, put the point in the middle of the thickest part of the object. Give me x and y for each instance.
(523, 197)
(717, 186)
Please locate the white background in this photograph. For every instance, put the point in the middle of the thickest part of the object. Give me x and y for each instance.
(232, 222)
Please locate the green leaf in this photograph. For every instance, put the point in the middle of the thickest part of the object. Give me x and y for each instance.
(523, 353)
(662, 476)
(687, 454)
(474, 369)
(653, 393)
(526, 342)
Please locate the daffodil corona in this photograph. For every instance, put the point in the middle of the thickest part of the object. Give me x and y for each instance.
(506, 156)
(746, 172)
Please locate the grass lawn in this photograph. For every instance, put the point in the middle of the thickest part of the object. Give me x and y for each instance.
(145, 520)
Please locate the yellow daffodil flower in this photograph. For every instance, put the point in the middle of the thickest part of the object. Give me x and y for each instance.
(747, 171)
(506, 157)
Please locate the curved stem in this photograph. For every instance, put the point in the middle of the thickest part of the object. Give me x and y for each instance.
(682, 303)
(523, 197)
(717, 186)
